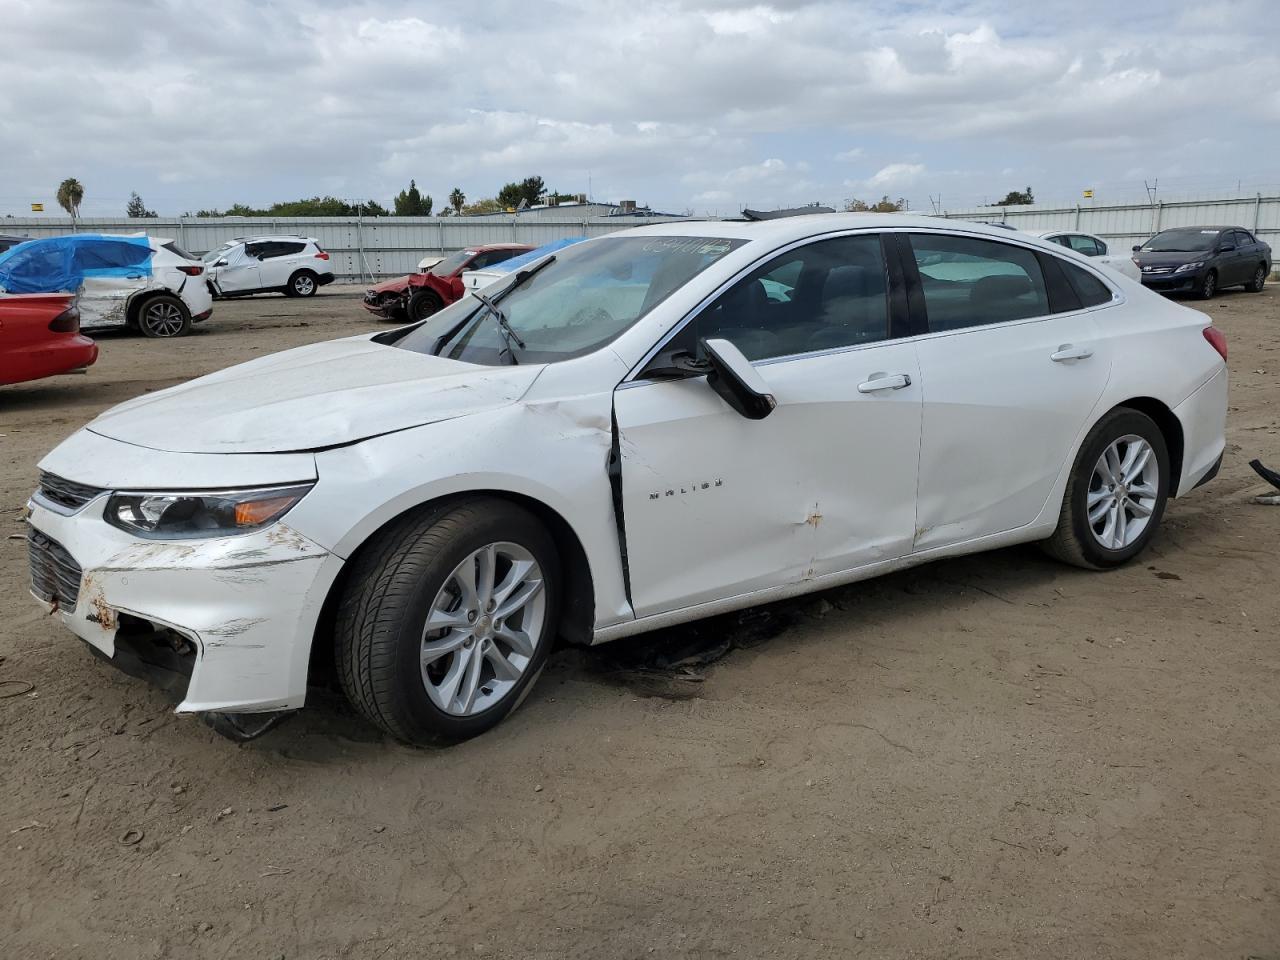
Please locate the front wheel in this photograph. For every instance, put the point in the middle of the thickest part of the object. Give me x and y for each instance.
(302, 284)
(163, 317)
(1116, 494)
(447, 620)
(1259, 278)
(1208, 286)
(422, 304)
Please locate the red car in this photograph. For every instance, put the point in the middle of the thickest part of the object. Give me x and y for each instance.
(40, 336)
(419, 295)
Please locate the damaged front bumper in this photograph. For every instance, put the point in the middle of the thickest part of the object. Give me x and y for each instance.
(386, 305)
(231, 617)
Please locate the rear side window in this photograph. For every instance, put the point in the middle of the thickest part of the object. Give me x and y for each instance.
(1091, 291)
(1082, 244)
(282, 248)
(969, 282)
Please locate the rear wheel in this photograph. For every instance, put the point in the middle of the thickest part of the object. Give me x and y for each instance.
(302, 284)
(163, 317)
(1116, 494)
(1259, 278)
(447, 620)
(1208, 286)
(422, 304)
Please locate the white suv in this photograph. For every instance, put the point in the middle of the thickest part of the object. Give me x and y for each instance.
(294, 266)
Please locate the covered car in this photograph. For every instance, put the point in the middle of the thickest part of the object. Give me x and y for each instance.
(136, 281)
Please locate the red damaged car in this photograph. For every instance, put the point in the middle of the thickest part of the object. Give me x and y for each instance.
(40, 336)
(419, 295)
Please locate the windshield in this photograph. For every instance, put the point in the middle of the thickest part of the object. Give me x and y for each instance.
(217, 252)
(452, 263)
(584, 299)
(1181, 241)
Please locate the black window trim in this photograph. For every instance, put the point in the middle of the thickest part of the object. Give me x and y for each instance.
(915, 289)
(899, 325)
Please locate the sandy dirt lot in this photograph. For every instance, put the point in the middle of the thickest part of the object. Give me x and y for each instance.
(991, 757)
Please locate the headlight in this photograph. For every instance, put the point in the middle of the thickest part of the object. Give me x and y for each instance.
(1193, 265)
(181, 516)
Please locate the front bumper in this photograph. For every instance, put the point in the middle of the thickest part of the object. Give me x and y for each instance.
(387, 305)
(1174, 282)
(247, 604)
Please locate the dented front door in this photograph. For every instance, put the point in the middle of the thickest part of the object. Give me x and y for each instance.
(716, 505)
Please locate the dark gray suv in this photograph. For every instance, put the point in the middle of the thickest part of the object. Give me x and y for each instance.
(1203, 260)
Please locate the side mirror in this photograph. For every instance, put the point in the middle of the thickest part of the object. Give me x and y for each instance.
(220, 263)
(1137, 247)
(736, 381)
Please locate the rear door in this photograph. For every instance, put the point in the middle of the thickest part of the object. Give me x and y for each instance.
(1011, 366)
(717, 505)
(279, 261)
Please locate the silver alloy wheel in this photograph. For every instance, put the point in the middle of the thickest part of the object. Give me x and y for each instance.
(1210, 285)
(304, 285)
(1260, 277)
(163, 319)
(1122, 492)
(482, 629)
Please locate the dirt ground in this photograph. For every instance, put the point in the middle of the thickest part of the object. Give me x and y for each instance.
(990, 757)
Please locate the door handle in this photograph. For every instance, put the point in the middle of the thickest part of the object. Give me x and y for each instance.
(134, 276)
(1069, 352)
(884, 381)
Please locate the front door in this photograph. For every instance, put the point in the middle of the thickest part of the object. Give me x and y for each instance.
(1008, 387)
(242, 270)
(716, 505)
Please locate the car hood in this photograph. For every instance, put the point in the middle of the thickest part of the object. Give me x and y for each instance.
(323, 395)
(398, 285)
(1171, 259)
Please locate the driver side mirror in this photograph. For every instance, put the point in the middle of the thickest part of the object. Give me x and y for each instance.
(1137, 247)
(220, 263)
(737, 382)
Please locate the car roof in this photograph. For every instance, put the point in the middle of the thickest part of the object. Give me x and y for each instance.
(485, 247)
(798, 228)
(1208, 226)
(272, 236)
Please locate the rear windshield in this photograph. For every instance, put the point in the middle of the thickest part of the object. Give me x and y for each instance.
(582, 300)
(172, 247)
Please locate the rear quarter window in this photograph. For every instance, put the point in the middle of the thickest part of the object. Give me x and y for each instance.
(1091, 291)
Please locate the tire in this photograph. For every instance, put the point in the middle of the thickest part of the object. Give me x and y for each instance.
(1259, 279)
(163, 317)
(302, 284)
(1208, 286)
(400, 577)
(1079, 542)
(422, 304)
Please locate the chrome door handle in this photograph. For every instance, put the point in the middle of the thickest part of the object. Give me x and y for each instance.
(1068, 352)
(884, 381)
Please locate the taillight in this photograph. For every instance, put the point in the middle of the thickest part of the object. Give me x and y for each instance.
(192, 271)
(321, 255)
(68, 321)
(1217, 340)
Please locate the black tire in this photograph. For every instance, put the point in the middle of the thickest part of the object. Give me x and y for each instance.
(1259, 279)
(393, 581)
(163, 318)
(1208, 286)
(303, 283)
(1073, 541)
(422, 304)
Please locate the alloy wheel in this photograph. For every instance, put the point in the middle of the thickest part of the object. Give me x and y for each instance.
(304, 286)
(482, 629)
(1123, 492)
(163, 319)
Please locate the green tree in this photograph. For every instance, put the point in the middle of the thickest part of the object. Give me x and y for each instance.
(456, 199)
(530, 190)
(411, 203)
(70, 193)
(310, 207)
(883, 205)
(136, 209)
(1016, 198)
(487, 205)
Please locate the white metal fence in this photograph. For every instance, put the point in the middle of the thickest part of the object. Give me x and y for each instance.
(1124, 225)
(359, 249)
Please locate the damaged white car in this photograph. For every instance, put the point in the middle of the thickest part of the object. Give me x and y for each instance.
(642, 429)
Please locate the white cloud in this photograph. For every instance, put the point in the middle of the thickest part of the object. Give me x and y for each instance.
(896, 175)
(854, 153)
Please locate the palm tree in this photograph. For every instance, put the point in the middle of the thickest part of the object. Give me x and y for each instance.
(456, 199)
(70, 193)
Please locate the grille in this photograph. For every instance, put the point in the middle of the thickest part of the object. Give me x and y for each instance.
(66, 493)
(55, 576)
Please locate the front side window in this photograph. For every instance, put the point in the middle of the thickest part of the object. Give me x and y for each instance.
(821, 296)
(970, 282)
(583, 299)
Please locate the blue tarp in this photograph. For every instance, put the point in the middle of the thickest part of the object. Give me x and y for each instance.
(61, 264)
(515, 263)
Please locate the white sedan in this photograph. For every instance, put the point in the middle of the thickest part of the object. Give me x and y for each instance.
(1091, 246)
(643, 429)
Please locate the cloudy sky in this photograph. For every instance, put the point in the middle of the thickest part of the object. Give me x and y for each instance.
(701, 106)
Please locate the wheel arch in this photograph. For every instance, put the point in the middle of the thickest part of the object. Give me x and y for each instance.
(1170, 427)
(133, 306)
(577, 615)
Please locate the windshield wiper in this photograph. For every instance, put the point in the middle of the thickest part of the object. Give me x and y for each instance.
(504, 326)
(524, 275)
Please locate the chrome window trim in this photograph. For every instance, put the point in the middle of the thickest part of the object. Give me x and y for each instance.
(633, 378)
